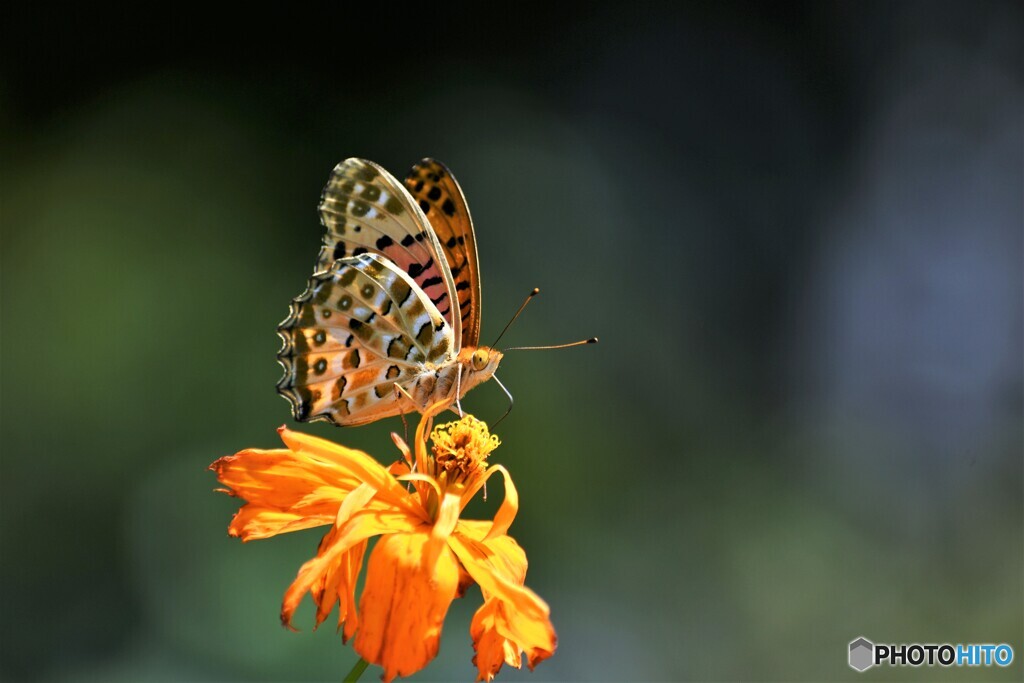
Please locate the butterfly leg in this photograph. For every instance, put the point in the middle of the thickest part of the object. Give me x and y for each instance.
(405, 425)
(510, 401)
(400, 391)
(458, 392)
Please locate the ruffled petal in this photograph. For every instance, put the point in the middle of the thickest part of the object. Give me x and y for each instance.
(493, 648)
(525, 618)
(505, 557)
(404, 603)
(284, 491)
(348, 612)
(354, 464)
(363, 524)
(338, 582)
(509, 505)
(337, 585)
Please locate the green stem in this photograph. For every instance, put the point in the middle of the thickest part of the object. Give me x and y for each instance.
(356, 671)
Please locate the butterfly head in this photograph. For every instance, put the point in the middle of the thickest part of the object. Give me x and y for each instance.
(481, 363)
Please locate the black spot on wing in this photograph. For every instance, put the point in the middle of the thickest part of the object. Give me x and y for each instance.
(348, 275)
(394, 206)
(360, 329)
(365, 173)
(338, 388)
(416, 269)
(423, 334)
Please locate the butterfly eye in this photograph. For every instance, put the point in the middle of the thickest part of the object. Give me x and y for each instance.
(479, 359)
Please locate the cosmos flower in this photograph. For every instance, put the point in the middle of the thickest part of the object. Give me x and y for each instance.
(426, 555)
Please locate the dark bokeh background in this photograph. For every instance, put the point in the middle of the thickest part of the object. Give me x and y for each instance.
(797, 232)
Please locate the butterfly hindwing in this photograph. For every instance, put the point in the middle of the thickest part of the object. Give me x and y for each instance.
(440, 198)
(366, 210)
(359, 328)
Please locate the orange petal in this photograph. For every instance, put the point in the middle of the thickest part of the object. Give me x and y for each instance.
(444, 525)
(526, 621)
(492, 646)
(398, 468)
(252, 523)
(505, 556)
(337, 585)
(355, 501)
(285, 492)
(338, 582)
(404, 603)
(509, 505)
(403, 447)
(362, 525)
(355, 464)
(348, 614)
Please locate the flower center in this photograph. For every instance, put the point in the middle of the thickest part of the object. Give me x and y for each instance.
(460, 450)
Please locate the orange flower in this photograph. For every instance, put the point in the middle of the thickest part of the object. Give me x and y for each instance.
(425, 558)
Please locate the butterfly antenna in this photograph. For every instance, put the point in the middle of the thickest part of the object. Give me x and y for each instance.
(582, 342)
(529, 297)
(510, 400)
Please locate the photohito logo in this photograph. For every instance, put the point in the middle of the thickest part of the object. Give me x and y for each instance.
(864, 654)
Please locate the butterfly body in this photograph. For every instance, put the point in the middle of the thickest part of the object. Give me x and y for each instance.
(390, 320)
(453, 379)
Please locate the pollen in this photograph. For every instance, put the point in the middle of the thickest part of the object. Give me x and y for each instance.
(460, 448)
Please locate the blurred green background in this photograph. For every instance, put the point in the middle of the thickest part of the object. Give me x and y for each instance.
(796, 230)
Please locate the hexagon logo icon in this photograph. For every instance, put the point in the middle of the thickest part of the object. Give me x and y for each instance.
(862, 654)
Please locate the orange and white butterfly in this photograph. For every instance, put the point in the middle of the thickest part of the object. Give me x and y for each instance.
(394, 300)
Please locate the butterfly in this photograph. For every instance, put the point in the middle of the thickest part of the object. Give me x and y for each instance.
(390, 320)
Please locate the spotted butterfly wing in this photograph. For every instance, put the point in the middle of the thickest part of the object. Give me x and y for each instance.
(441, 200)
(361, 327)
(366, 210)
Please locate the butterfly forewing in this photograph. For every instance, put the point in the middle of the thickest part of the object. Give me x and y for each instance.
(365, 210)
(359, 328)
(440, 198)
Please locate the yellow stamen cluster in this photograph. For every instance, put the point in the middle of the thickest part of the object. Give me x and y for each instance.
(460, 448)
